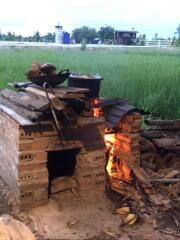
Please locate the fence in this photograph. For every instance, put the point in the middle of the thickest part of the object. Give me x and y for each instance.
(158, 43)
(151, 43)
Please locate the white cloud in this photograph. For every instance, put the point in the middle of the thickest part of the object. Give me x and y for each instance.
(25, 17)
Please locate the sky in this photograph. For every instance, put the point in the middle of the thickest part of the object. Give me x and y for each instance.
(147, 17)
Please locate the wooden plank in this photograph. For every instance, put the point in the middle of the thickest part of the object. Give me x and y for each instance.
(67, 90)
(70, 95)
(31, 102)
(16, 116)
(40, 92)
(58, 104)
(23, 112)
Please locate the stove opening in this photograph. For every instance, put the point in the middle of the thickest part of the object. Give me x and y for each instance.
(61, 164)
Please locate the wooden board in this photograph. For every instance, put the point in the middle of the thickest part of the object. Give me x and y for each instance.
(30, 101)
(58, 104)
(16, 116)
(67, 90)
(70, 95)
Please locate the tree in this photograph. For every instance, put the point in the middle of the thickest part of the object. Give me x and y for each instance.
(178, 31)
(155, 36)
(49, 37)
(10, 36)
(106, 33)
(142, 39)
(84, 33)
(37, 36)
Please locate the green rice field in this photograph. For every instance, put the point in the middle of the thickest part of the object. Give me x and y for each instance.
(149, 78)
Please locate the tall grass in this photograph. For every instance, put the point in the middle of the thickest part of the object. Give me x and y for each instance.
(148, 78)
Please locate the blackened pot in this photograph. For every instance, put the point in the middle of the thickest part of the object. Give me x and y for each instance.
(92, 82)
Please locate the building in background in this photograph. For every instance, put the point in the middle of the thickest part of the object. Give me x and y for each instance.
(66, 38)
(61, 37)
(59, 34)
(125, 37)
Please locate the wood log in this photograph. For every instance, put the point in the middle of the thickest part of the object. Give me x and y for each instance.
(163, 123)
(141, 175)
(162, 180)
(158, 133)
(175, 127)
(171, 144)
(147, 145)
(149, 156)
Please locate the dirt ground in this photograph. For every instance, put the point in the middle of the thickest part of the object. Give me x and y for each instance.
(67, 218)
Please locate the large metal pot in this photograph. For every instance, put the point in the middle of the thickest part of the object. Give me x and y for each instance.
(92, 82)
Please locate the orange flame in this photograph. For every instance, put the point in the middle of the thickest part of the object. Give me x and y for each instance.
(114, 146)
(110, 140)
(96, 111)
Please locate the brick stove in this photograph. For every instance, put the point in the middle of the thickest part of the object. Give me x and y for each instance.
(35, 162)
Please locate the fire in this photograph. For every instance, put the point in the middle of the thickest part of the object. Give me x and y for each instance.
(110, 140)
(96, 111)
(116, 166)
